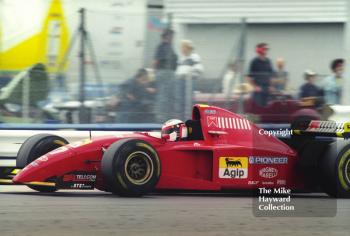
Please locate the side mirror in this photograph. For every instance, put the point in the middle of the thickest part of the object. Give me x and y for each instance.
(165, 136)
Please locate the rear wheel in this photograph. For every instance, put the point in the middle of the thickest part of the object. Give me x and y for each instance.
(130, 168)
(35, 147)
(335, 170)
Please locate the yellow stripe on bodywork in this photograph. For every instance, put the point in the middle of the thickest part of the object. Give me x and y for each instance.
(15, 171)
(9, 181)
(339, 134)
(203, 105)
(347, 127)
(41, 184)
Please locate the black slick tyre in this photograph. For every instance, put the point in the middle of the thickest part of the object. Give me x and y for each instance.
(35, 147)
(335, 170)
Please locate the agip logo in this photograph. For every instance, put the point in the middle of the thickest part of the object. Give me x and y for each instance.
(233, 167)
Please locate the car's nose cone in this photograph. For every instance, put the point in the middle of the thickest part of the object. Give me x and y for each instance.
(45, 167)
(28, 174)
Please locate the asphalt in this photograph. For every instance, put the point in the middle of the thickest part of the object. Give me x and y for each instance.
(24, 212)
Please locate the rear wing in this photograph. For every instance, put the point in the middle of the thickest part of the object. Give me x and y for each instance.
(322, 128)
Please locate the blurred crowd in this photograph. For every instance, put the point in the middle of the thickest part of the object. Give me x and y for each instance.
(267, 81)
(167, 90)
(170, 87)
(149, 96)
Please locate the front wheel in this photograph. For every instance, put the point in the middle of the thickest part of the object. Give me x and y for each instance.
(130, 168)
(35, 147)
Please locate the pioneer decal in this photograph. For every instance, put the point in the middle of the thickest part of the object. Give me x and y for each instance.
(233, 167)
(268, 160)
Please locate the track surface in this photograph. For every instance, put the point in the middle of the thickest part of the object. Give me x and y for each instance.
(25, 212)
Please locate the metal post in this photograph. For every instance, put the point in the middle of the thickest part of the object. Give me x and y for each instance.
(188, 95)
(346, 82)
(241, 60)
(25, 96)
(169, 20)
(83, 116)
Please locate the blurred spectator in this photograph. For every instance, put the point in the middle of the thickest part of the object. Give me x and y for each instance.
(136, 99)
(229, 78)
(261, 73)
(165, 62)
(189, 68)
(332, 84)
(189, 62)
(281, 76)
(309, 88)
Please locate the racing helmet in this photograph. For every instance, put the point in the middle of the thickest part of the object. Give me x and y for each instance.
(174, 130)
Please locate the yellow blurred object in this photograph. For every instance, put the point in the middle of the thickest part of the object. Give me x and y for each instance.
(243, 88)
(47, 47)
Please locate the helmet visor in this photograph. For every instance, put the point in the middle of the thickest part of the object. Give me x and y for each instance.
(168, 130)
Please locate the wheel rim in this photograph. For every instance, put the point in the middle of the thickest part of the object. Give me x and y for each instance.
(347, 171)
(138, 168)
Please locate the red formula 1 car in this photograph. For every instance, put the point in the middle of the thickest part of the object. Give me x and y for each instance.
(223, 151)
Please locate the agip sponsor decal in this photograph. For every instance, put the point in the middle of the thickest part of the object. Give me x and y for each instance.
(233, 167)
(268, 172)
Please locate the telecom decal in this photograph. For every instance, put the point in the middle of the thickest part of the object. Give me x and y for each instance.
(233, 167)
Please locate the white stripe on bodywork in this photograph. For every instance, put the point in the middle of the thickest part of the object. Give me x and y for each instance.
(248, 124)
(223, 122)
(244, 124)
(234, 123)
(241, 121)
(238, 125)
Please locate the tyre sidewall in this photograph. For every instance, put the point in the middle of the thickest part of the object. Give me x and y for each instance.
(33, 148)
(332, 166)
(36, 146)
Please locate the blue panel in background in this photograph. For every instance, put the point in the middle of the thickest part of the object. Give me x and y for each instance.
(95, 127)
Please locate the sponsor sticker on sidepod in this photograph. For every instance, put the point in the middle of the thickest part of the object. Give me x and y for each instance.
(233, 167)
(268, 172)
(268, 160)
